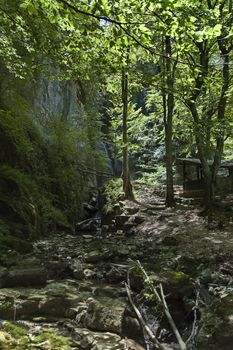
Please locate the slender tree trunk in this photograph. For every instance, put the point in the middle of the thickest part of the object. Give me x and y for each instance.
(127, 186)
(201, 147)
(208, 193)
(210, 171)
(200, 141)
(168, 105)
(222, 108)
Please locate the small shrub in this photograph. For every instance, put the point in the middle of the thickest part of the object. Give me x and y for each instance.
(42, 174)
(155, 178)
(112, 192)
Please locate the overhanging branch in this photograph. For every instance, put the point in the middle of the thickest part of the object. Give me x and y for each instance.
(121, 25)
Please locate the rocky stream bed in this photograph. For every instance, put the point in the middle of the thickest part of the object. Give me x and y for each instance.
(69, 293)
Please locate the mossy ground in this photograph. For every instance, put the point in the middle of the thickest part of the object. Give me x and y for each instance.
(16, 337)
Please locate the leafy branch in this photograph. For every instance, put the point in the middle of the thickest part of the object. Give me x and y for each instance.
(126, 31)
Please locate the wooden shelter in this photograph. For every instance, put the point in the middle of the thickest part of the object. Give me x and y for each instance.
(190, 171)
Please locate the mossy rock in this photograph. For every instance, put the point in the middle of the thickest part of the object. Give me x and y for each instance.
(217, 325)
(103, 317)
(25, 277)
(9, 241)
(15, 337)
(178, 284)
(7, 308)
(15, 330)
(53, 341)
(5, 340)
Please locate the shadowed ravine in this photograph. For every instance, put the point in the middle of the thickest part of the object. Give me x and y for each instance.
(73, 285)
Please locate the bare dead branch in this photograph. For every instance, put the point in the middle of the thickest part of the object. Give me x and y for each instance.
(144, 325)
(161, 299)
(171, 321)
(195, 309)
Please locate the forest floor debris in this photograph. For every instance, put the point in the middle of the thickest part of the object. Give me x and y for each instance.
(85, 273)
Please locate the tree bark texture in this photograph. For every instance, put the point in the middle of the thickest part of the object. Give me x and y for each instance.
(210, 171)
(168, 106)
(127, 186)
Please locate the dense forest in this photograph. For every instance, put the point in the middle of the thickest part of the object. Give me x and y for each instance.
(116, 174)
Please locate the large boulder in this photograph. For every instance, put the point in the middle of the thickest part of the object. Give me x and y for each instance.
(178, 284)
(98, 340)
(120, 221)
(25, 277)
(88, 225)
(103, 317)
(217, 325)
(131, 327)
(130, 344)
(54, 301)
(98, 255)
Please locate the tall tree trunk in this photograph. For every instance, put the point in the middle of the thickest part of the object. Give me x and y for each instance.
(200, 141)
(222, 108)
(127, 186)
(210, 171)
(201, 147)
(168, 106)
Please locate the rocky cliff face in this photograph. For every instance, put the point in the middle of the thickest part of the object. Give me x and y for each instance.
(41, 97)
(49, 140)
(56, 98)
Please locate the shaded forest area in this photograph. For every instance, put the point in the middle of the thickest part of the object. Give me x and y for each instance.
(116, 174)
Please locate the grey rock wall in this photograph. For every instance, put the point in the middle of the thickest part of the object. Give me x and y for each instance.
(40, 97)
(53, 98)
